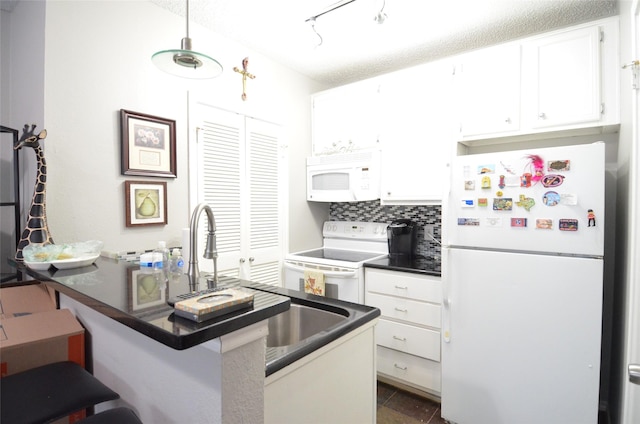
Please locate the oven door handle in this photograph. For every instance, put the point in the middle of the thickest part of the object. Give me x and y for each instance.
(332, 274)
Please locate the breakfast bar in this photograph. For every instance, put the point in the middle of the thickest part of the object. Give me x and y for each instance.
(168, 368)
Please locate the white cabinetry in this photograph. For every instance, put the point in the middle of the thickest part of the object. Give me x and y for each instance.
(408, 333)
(563, 73)
(561, 83)
(490, 85)
(240, 174)
(334, 384)
(416, 133)
(346, 118)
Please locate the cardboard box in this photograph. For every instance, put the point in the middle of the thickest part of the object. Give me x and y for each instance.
(34, 333)
(37, 339)
(28, 299)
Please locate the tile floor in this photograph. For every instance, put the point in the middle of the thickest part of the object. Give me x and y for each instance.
(396, 406)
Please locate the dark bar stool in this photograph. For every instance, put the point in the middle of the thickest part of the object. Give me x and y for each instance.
(49, 392)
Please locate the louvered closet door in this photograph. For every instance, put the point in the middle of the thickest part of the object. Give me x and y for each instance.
(220, 182)
(239, 176)
(264, 182)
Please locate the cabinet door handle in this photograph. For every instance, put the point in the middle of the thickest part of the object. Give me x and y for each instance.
(400, 367)
(402, 339)
(401, 310)
(542, 116)
(251, 259)
(402, 287)
(507, 121)
(242, 260)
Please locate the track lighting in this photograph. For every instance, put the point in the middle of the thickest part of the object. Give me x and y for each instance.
(381, 16)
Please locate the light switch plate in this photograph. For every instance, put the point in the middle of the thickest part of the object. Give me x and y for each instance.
(428, 231)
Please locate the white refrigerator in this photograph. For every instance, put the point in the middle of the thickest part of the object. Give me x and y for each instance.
(523, 245)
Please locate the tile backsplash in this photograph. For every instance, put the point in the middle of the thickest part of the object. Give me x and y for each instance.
(373, 211)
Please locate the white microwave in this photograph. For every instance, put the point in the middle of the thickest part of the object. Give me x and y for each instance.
(344, 177)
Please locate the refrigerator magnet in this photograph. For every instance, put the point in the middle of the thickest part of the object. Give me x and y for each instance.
(551, 198)
(519, 222)
(558, 165)
(493, 221)
(526, 202)
(501, 184)
(469, 185)
(466, 203)
(591, 218)
(483, 201)
(486, 182)
(525, 180)
(568, 199)
(472, 222)
(568, 225)
(486, 169)
(508, 168)
(503, 204)
(544, 223)
(552, 180)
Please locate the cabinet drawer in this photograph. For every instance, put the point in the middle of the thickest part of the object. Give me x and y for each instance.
(412, 370)
(404, 284)
(414, 312)
(407, 338)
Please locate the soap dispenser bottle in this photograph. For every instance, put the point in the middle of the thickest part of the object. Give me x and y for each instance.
(176, 267)
(164, 252)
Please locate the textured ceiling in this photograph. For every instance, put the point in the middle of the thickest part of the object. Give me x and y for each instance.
(355, 47)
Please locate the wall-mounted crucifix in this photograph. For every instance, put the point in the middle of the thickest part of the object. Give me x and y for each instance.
(245, 74)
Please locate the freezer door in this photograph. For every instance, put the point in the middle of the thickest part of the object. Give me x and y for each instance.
(490, 206)
(521, 338)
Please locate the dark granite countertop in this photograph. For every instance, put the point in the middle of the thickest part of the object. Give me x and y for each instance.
(417, 265)
(112, 288)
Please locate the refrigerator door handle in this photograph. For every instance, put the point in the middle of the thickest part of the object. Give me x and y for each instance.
(634, 373)
(446, 319)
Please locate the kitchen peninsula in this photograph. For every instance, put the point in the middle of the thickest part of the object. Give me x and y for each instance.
(170, 369)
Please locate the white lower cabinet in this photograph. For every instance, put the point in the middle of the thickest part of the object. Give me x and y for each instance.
(408, 332)
(409, 369)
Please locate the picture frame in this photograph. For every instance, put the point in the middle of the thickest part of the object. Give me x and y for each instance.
(145, 292)
(148, 145)
(145, 203)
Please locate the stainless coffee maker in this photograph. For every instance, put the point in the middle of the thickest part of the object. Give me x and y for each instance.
(402, 239)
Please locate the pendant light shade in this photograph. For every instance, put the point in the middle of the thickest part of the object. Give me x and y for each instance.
(185, 62)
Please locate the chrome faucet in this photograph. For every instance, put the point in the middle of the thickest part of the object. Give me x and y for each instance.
(210, 250)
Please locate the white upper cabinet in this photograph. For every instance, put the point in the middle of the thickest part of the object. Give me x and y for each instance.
(416, 133)
(563, 74)
(490, 84)
(560, 83)
(346, 118)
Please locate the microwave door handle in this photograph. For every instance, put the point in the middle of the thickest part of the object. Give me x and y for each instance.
(333, 274)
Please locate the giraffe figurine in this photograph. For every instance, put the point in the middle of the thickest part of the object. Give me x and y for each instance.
(36, 229)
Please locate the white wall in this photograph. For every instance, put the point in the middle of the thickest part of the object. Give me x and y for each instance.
(21, 85)
(97, 61)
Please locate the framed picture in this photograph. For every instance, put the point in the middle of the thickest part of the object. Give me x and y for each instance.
(148, 145)
(145, 203)
(146, 291)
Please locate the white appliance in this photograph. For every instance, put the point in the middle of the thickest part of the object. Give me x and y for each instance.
(346, 246)
(346, 177)
(522, 286)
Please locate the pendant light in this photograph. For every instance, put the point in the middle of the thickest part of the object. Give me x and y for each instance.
(185, 62)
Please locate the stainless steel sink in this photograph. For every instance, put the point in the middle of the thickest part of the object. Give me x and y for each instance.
(298, 323)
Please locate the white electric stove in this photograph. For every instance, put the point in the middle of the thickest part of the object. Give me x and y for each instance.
(347, 245)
